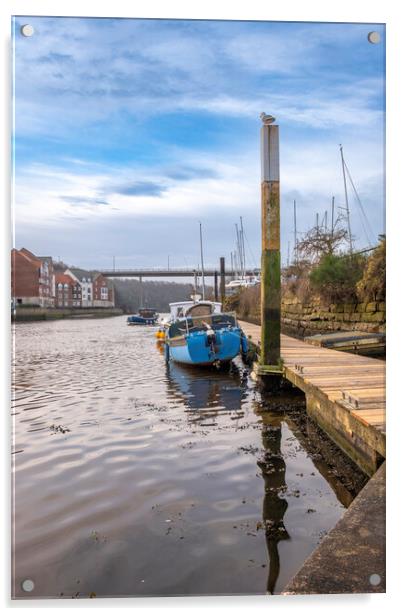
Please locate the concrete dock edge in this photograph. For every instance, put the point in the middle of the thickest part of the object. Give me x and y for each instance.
(351, 558)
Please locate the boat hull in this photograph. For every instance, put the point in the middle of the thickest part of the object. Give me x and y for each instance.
(135, 320)
(201, 349)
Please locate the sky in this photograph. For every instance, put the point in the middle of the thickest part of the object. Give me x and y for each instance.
(128, 133)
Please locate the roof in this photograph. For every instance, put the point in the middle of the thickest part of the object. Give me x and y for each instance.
(29, 256)
(80, 273)
(63, 278)
(27, 253)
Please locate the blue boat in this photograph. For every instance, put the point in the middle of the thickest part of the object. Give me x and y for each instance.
(204, 336)
(145, 316)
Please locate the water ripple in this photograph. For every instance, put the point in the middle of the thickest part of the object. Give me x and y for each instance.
(136, 478)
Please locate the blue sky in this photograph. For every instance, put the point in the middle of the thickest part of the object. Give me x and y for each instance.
(128, 132)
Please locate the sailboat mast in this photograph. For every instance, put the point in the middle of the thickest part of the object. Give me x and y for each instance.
(202, 264)
(195, 283)
(295, 232)
(239, 249)
(346, 200)
(242, 246)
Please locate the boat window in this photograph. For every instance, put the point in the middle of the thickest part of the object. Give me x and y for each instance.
(199, 310)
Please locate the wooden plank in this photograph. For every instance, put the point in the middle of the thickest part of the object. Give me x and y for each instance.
(333, 372)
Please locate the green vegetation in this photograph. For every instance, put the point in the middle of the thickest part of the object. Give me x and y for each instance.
(330, 278)
(335, 277)
(371, 287)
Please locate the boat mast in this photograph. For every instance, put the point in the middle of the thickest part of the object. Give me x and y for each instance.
(242, 246)
(195, 284)
(346, 200)
(202, 264)
(239, 250)
(295, 232)
(236, 259)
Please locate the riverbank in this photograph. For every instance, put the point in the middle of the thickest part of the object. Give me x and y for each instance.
(351, 558)
(44, 314)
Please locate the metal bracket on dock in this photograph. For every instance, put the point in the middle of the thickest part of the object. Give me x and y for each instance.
(349, 399)
(299, 368)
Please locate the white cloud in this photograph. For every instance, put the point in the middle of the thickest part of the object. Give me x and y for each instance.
(84, 79)
(102, 69)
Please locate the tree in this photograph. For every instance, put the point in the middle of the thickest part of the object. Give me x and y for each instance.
(372, 285)
(319, 241)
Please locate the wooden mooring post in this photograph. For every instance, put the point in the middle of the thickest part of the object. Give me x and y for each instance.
(222, 264)
(216, 286)
(270, 354)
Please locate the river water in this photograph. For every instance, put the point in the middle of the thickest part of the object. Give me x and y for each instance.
(133, 478)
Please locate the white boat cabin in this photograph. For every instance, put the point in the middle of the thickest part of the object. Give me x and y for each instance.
(183, 310)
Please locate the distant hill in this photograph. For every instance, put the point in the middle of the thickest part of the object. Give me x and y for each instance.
(156, 295)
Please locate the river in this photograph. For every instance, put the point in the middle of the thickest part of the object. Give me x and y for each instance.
(134, 478)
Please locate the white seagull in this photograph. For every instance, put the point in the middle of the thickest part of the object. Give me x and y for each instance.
(266, 119)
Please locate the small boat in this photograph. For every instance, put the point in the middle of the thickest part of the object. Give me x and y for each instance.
(145, 316)
(246, 281)
(200, 334)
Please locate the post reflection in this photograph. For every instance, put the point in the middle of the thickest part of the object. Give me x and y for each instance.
(273, 469)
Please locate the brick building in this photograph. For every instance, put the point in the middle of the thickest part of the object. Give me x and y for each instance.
(32, 279)
(85, 279)
(68, 291)
(97, 291)
(37, 282)
(103, 292)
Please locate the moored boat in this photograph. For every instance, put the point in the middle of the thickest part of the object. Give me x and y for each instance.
(200, 334)
(145, 316)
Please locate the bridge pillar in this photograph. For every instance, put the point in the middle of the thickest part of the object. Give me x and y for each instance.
(141, 292)
(222, 263)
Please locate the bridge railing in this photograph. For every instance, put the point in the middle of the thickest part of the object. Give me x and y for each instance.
(189, 270)
(152, 269)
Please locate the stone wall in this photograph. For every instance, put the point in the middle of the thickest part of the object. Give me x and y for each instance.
(313, 317)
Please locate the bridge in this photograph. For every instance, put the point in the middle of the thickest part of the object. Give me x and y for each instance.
(177, 272)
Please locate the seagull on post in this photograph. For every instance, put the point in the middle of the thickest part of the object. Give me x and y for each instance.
(266, 119)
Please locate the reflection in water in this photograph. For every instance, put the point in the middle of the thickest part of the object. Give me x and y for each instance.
(273, 469)
(136, 478)
(205, 392)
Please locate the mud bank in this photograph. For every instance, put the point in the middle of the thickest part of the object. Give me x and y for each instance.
(351, 558)
(346, 478)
